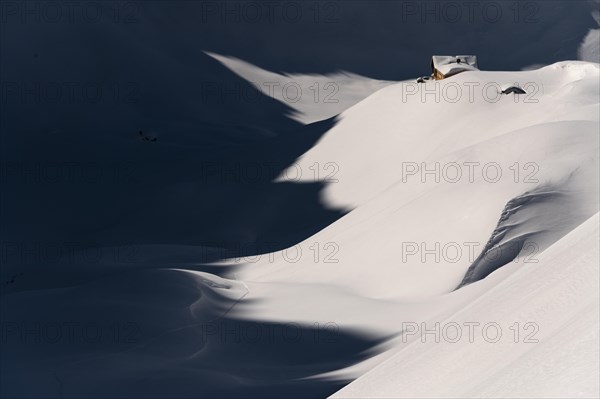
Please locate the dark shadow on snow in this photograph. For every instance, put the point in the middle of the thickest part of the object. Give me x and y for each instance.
(171, 336)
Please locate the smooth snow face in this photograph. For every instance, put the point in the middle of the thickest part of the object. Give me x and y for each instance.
(555, 353)
(414, 232)
(398, 125)
(311, 97)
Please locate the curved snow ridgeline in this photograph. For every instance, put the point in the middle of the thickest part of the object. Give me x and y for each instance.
(444, 189)
(420, 173)
(448, 184)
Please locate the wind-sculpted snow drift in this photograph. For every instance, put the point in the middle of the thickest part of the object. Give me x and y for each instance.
(312, 97)
(531, 222)
(300, 322)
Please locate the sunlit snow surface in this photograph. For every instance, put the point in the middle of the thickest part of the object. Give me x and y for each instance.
(303, 322)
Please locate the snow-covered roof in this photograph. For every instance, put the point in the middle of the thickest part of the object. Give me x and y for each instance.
(449, 65)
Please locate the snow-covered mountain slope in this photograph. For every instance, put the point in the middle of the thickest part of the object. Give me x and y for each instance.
(412, 236)
(551, 352)
(486, 154)
(449, 120)
(435, 190)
